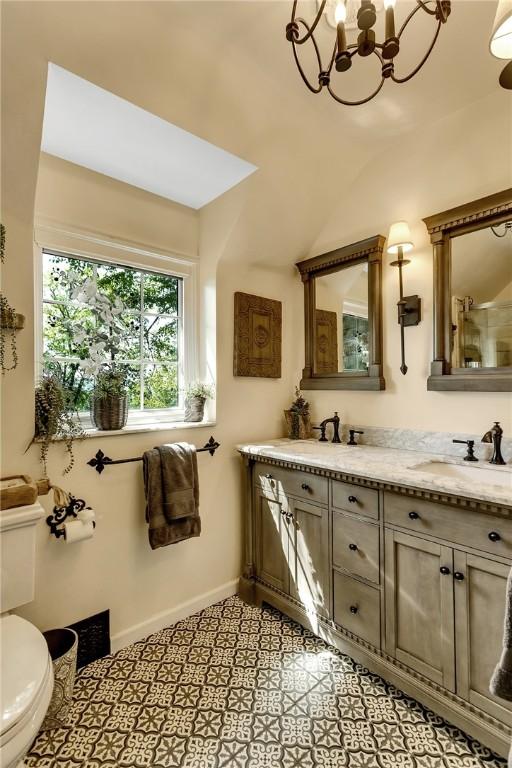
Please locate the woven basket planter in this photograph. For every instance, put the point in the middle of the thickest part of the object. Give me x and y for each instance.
(108, 413)
(194, 408)
(63, 646)
(298, 425)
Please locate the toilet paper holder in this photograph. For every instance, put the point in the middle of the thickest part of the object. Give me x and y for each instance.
(56, 520)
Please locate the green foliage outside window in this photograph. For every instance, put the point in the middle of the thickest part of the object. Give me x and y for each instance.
(139, 332)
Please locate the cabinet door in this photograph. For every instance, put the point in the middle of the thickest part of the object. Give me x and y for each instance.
(273, 530)
(479, 618)
(310, 580)
(419, 606)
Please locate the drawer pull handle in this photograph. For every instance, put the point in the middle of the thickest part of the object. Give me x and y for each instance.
(305, 487)
(494, 536)
(458, 576)
(414, 516)
(353, 609)
(444, 570)
(353, 547)
(352, 499)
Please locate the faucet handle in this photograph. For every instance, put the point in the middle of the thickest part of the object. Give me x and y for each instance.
(353, 432)
(470, 455)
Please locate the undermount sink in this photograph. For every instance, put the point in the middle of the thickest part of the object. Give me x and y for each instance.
(474, 472)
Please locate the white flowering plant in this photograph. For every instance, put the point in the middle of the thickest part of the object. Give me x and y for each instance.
(100, 331)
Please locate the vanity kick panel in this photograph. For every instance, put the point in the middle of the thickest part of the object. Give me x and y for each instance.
(355, 546)
(460, 526)
(290, 482)
(357, 608)
(356, 499)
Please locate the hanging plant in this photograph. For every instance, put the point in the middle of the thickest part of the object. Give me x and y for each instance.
(55, 418)
(9, 322)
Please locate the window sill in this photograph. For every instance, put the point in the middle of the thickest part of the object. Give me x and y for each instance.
(131, 429)
(156, 426)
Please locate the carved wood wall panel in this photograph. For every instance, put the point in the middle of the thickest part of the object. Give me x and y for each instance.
(326, 346)
(257, 336)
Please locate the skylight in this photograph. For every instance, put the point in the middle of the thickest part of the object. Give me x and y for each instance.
(94, 128)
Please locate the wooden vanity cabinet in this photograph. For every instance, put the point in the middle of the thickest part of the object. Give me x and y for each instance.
(479, 617)
(409, 584)
(272, 540)
(292, 547)
(419, 606)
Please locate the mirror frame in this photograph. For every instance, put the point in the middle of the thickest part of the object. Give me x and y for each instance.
(442, 227)
(370, 251)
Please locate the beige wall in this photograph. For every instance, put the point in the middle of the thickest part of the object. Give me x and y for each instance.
(459, 158)
(294, 206)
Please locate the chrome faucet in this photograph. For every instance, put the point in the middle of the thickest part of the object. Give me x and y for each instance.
(494, 436)
(335, 421)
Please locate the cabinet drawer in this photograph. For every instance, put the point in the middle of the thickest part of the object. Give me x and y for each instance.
(355, 498)
(357, 608)
(355, 546)
(471, 529)
(290, 482)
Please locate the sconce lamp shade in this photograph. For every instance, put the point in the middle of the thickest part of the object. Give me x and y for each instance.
(399, 237)
(501, 39)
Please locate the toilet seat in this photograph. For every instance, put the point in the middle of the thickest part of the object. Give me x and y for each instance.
(26, 686)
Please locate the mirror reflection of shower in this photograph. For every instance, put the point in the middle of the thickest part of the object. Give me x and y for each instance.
(482, 298)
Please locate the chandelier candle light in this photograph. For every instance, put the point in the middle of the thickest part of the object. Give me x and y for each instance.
(299, 31)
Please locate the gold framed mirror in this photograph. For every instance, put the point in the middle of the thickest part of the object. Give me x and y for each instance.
(473, 296)
(343, 317)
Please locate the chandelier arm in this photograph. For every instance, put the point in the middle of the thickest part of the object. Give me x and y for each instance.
(497, 233)
(422, 62)
(425, 7)
(310, 29)
(299, 67)
(333, 57)
(356, 103)
(414, 11)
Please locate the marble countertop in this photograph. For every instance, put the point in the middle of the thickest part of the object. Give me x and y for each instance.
(416, 469)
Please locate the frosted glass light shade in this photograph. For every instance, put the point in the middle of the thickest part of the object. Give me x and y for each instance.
(501, 39)
(399, 237)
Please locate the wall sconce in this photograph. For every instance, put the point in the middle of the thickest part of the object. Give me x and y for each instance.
(409, 307)
(501, 40)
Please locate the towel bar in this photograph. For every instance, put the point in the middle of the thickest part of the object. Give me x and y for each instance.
(100, 461)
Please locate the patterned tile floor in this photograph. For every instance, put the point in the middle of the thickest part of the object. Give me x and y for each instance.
(241, 687)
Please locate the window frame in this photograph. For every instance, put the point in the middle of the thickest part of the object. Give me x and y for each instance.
(93, 247)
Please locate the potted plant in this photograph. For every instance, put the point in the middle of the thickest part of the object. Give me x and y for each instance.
(55, 417)
(298, 419)
(196, 396)
(109, 399)
(98, 346)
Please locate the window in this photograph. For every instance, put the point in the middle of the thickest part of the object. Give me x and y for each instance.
(148, 333)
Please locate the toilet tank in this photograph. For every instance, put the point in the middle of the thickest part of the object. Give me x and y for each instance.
(17, 554)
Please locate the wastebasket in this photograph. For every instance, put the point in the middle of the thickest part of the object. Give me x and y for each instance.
(62, 645)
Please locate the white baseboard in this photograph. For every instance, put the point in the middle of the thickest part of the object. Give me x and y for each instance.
(167, 618)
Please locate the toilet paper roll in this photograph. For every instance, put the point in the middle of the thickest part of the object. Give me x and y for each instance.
(86, 515)
(78, 531)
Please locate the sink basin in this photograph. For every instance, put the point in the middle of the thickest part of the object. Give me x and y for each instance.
(473, 472)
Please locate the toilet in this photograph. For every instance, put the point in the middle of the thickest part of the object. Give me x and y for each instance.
(26, 672)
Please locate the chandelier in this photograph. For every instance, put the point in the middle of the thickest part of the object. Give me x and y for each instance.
(299, 32)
